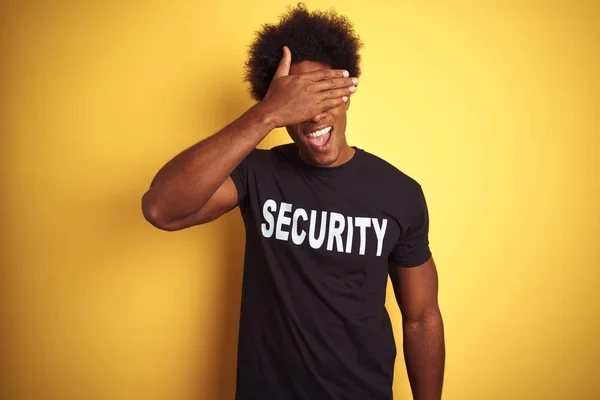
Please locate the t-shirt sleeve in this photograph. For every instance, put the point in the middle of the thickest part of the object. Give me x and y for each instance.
(412, 248)
(241, 177)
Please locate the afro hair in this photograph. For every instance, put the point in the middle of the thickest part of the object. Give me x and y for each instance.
(324, 37)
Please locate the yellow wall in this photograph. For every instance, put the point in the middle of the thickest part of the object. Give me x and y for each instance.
(492, 106)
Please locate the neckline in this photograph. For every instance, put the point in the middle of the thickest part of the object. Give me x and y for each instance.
(327, 171)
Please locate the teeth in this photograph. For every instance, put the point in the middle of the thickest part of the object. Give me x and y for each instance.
(319, 133)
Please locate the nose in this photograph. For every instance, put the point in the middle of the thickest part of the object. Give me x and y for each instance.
(318, 117)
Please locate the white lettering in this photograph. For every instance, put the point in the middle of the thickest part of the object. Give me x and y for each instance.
(280, 234)
(363, 223)
(349, 238)
(336, 228)
(298, 238)
(269, 205)
(314, 242)
(283, 221)
(380, 232)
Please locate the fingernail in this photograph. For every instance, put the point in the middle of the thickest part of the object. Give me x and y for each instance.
(355, 81)
(352, 88)
(346, 74)
(345, 99)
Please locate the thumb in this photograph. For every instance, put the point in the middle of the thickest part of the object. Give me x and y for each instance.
(284, 65)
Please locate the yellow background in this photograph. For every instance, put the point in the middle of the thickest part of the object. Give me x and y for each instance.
(492, 106)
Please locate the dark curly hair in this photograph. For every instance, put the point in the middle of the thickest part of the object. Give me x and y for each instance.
(324, 37)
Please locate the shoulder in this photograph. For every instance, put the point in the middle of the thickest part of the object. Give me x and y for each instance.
(261, 161)
(281, 151)
(280, 157)
(402, 192)
(381, 169)
(259, 155)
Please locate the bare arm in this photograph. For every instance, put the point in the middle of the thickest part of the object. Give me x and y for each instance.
(416, 291)
(185, 184)
(194, 187)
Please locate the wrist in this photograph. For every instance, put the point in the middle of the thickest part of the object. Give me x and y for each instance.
(264, 116)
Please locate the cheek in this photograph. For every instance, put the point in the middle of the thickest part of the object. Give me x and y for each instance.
(339, 111)
(340, 118)
(292, 130)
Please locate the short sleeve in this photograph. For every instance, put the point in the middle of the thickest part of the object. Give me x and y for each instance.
(240, 177)
(412, 248)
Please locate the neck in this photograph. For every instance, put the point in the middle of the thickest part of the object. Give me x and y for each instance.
(345, 155)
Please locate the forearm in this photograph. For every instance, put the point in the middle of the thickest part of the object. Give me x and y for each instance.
(187, 182)
(424, 354)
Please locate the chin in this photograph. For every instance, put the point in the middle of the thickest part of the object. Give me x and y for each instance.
(326, 155)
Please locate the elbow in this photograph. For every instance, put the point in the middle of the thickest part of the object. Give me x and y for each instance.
(154, 214)
(428, 317)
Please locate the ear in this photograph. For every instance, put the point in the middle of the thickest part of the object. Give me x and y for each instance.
(347, 105)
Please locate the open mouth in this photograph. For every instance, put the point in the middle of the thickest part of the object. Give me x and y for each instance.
(318, 140)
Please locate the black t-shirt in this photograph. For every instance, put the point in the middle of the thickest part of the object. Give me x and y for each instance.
(313, 321)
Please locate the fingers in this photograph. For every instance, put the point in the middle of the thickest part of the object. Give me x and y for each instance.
(336, 93)
(323, 74)
(332, 103)
(335, 83)
(284, 65)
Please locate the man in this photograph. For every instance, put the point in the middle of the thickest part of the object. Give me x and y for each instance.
(325, 225)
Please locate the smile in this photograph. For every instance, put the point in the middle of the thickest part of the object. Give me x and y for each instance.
(319, 132)
(318, 140)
